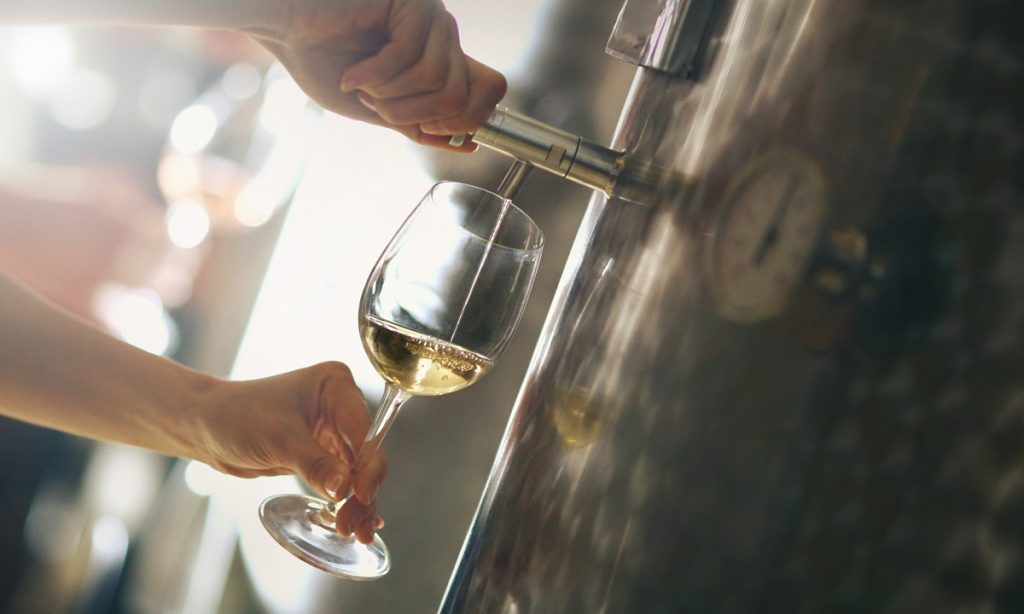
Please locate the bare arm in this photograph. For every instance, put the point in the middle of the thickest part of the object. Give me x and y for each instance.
(242, 15)
(60, 372)
(395, 63)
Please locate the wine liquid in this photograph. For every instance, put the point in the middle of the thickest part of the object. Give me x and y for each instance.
(420, 365)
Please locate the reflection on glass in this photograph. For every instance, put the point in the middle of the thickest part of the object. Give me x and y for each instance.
(578, 415)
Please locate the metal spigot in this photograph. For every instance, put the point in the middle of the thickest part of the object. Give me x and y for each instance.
(567, 155)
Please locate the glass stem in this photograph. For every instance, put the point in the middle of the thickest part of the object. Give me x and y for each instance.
(393, 399)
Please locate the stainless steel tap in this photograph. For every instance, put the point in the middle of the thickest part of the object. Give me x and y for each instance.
(539, 145)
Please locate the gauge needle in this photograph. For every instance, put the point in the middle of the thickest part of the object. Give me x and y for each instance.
(770, 237)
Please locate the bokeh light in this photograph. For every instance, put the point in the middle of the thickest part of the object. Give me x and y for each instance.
(193, 129)
(282, 108)
(84, 100)
(241, 81)
(188, 223)
(136, 316)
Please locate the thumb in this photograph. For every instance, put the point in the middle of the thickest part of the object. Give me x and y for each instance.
(324, 472)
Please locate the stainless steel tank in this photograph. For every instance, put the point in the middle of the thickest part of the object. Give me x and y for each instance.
(793, 379)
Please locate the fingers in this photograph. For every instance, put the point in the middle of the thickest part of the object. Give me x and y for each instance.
(339, 423)
(450, 100)
(421, 83)
(443, 141)
(341, 428)
(342, 410)
(330, 476)
(327, 436)
(358, 519)
(486, 88)
(430, 119)
(367, 478)
(409, 26)
(431, 72)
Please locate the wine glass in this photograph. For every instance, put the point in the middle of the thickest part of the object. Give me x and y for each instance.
(437, 310)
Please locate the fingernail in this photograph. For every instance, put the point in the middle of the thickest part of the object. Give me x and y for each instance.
(368, 528)
(331, 443)
(367, 101)
(371, 495)
(378, 523)
(352, 527)
(430, 128)
(347, 85)
(334, 485)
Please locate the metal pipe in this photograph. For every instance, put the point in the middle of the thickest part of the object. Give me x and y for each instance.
(514, 179)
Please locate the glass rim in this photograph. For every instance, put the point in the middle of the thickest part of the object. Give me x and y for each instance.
(512, 205)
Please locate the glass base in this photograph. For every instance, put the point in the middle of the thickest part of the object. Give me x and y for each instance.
(293, 520)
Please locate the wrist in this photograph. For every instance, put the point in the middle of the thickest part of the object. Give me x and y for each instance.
(188, 414)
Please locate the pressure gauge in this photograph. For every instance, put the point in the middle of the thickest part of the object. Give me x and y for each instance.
(771, 223)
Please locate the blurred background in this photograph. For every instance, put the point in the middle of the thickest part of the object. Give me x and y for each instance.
(177, 189)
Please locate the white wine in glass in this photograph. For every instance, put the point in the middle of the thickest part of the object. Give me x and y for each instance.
(418, 364)
(437, 311)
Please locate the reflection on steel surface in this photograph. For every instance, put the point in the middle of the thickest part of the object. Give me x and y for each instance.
(859, 444)
(666, 35)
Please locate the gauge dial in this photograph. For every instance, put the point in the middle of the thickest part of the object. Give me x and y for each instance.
(770, 228)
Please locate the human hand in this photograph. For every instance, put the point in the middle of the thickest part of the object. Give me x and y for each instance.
(309, 422)
(398, 64)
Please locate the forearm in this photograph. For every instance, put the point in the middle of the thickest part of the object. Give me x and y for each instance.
(253, 16)
(59, 372)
